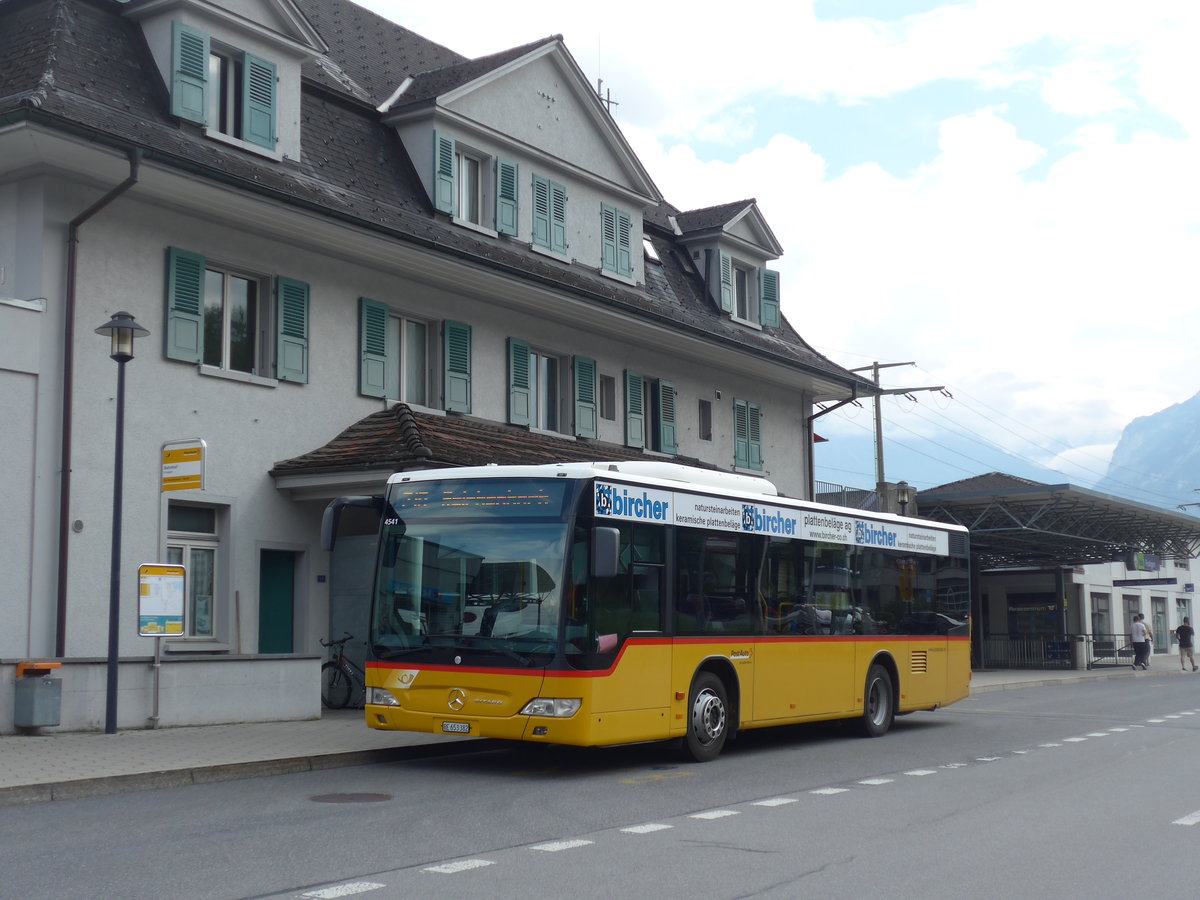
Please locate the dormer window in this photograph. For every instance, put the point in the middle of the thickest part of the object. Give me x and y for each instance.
(749, 294)
(230, 92)
(469, 200)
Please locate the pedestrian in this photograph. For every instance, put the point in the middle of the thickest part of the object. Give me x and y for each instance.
(1184, 634)
(1139, 636)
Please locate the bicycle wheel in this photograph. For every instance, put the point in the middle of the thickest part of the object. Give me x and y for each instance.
(335, 686)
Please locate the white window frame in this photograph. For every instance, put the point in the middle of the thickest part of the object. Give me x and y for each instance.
(179, 547)
(606, 395)
(548, 391)
(745, 294)
(398, 350)
(263, 327)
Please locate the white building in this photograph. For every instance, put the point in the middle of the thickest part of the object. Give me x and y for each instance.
(330, 227)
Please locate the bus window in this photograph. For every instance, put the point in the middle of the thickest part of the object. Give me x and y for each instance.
(714, 582)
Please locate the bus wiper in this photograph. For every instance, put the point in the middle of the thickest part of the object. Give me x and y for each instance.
(443, 641)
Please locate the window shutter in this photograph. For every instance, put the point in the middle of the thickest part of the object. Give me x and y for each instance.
(635, 410)
(586, 420)
(624, 244)
(189, 73)
(457, 352)
(506, 197)
(558, 218)
(443, 173)
(541, 211)
(741, 435)
(520, 390)
(372, 348)
(768, 298)
(608, 238)
(258, 102)
(291, 351)
(754, 435)
(726, 283)
(666, 417)
(184, 338)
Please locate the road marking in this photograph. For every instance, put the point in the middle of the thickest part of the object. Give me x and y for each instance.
(714, 814)
(648, 828)
(343, 890)
(461, 865)
(1118, 729)
(775, 801)
(877, 781)
(1048, 746)
(1097, 734)
(555, 846)
(829, 791)
(1189, 819)
(921, 772)
(1156, 721)
(1075, 740)
(954, 766)
(986, 758)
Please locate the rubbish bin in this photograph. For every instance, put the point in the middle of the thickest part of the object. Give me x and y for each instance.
(39, 697)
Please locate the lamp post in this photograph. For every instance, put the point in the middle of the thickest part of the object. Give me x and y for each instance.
(904, 496)
(122, 329)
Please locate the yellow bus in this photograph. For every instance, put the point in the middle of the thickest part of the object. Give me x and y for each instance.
(594, 604)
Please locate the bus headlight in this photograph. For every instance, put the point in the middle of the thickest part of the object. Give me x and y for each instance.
(557, 707)
(381, 697)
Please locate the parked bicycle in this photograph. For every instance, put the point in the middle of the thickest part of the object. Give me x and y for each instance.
(341, 679)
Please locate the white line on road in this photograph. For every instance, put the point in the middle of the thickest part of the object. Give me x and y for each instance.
(921, 772)
(461, 865)
(714, 814)
(775, 801)
(877, 781)
(648, 828)
(555, 846)
(343, 890)
(1189, 819)
(828, 791)
(1075, 740)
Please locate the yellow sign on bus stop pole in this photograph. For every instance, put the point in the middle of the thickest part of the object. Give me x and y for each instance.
(183, 465)
(161, 595)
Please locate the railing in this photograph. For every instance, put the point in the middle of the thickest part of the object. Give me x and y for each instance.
(837, 495)
(1044, 651)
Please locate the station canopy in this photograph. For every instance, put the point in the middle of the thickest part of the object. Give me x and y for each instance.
(1015, 522)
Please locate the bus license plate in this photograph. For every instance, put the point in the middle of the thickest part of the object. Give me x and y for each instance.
(457, 727)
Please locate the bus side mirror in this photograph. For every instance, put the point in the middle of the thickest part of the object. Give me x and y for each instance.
(333, 515)
(606, 552)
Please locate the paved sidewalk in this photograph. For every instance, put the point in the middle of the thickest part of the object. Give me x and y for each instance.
(68, 765)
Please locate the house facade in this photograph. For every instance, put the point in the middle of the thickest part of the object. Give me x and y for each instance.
(355, 251)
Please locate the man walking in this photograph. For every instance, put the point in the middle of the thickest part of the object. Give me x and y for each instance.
(1184, 633)
(1139, 636)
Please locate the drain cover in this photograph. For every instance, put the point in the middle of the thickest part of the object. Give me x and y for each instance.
(350, 798)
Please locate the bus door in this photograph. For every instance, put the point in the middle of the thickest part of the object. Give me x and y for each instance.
(805, 664)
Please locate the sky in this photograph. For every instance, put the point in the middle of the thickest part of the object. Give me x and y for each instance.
(1004, 193)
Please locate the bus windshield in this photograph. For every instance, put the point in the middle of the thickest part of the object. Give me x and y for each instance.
(471, 566)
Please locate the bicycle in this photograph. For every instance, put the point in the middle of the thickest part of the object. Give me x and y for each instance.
(341, 679)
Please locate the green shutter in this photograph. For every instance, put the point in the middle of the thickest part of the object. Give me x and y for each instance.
(754, 435)
(291, 350)
(635, 410)
(457, 366)
(520, 389)
(258, 102)
(768, 298)
(189, 73)
(586, 418)
(726, 292)
(624, 244)
(666, 417)
(558, 218)
(372, 348)
(741, 435)
(608, 238)
(506, 197)
(444, 175)
(184, 334)
(541, 211)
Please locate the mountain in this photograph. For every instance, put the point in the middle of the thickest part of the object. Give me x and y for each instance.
(1157, 460)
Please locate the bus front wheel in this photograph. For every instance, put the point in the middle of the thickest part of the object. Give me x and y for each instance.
(879, 703)
(708, 718)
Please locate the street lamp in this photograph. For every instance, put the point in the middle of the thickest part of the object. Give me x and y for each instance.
(904, 495)
(122, 329)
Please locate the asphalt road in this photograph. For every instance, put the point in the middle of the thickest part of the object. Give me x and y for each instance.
(1085, 790)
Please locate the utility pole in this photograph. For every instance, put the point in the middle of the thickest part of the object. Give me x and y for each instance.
(880, 474)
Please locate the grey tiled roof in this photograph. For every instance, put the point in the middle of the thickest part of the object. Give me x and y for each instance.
(711, 216)
(400, 438)
(80, 65)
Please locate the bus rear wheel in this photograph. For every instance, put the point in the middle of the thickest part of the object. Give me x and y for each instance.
(879, 703)
(708, 718)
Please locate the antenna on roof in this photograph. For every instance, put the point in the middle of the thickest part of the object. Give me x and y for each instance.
(606, 97)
